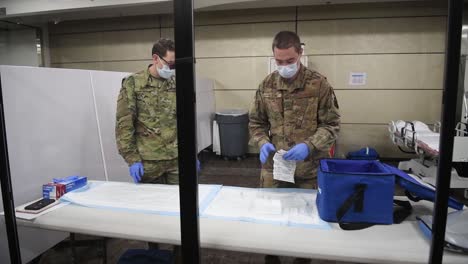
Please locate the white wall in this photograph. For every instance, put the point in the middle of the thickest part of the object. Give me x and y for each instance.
(18, 47)
(399, 45)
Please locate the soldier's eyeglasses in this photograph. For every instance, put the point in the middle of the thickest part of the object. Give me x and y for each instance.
(170, 65)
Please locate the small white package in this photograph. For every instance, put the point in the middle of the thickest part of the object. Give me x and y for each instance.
(283, 170)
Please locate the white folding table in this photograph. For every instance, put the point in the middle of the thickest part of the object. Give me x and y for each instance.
(398, 243)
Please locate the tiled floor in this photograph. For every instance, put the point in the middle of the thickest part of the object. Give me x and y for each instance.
(215, 170)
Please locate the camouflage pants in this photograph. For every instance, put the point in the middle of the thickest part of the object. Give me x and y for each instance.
(160, 171)
(267, 181)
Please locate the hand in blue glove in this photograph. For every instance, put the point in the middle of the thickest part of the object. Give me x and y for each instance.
(136, 171)
(265, 151)
(198, 166)
(298, 152)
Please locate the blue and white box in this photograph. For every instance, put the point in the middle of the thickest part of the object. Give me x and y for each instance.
(72, 182)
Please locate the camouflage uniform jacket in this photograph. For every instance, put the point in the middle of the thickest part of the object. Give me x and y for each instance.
(146, 124)
(288, 113)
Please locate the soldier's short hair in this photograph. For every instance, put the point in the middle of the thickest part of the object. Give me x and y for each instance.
(285, 40)
(161, 47)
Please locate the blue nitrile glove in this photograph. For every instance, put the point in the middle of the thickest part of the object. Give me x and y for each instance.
(198, 166)
(136, 171)
(265, 151)
(298, 152)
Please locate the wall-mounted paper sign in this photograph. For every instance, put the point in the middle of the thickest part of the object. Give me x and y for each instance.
(357, 78)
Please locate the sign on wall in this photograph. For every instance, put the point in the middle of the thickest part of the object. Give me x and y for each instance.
(357, 78)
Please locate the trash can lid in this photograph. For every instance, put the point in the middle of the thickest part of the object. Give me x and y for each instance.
(233, 112)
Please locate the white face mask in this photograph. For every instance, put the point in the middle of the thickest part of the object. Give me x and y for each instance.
(288, 71)
(165, 72)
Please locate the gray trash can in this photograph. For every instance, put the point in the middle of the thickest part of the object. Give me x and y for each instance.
(233, 132)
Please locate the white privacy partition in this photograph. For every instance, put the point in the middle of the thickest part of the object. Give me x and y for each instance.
(51, 132)
(205, 112)
(106, 87)
(51, 127)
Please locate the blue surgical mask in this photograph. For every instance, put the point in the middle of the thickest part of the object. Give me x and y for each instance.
(165, 72)
(288, 71)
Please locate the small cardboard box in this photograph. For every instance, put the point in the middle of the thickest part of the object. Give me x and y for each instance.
(53, 190)
(57, 188)
(72, 182)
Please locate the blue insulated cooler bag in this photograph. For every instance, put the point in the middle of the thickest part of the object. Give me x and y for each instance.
(416, 191)
(357, 194)
(363, 154)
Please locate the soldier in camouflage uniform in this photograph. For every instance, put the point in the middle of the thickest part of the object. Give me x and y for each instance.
(146, 125)
(294, 110)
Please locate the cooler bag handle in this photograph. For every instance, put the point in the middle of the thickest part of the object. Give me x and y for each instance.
(357, 199)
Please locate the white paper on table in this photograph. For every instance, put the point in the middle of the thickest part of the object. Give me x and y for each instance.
(266, 206)
(291, 207)
(283, 170)
(148, 198)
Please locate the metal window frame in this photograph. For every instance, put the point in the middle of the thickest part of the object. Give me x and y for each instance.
(186, 130)
(447, 130)
(7, 190)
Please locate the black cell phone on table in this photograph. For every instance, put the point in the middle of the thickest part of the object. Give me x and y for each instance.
(39, 204)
